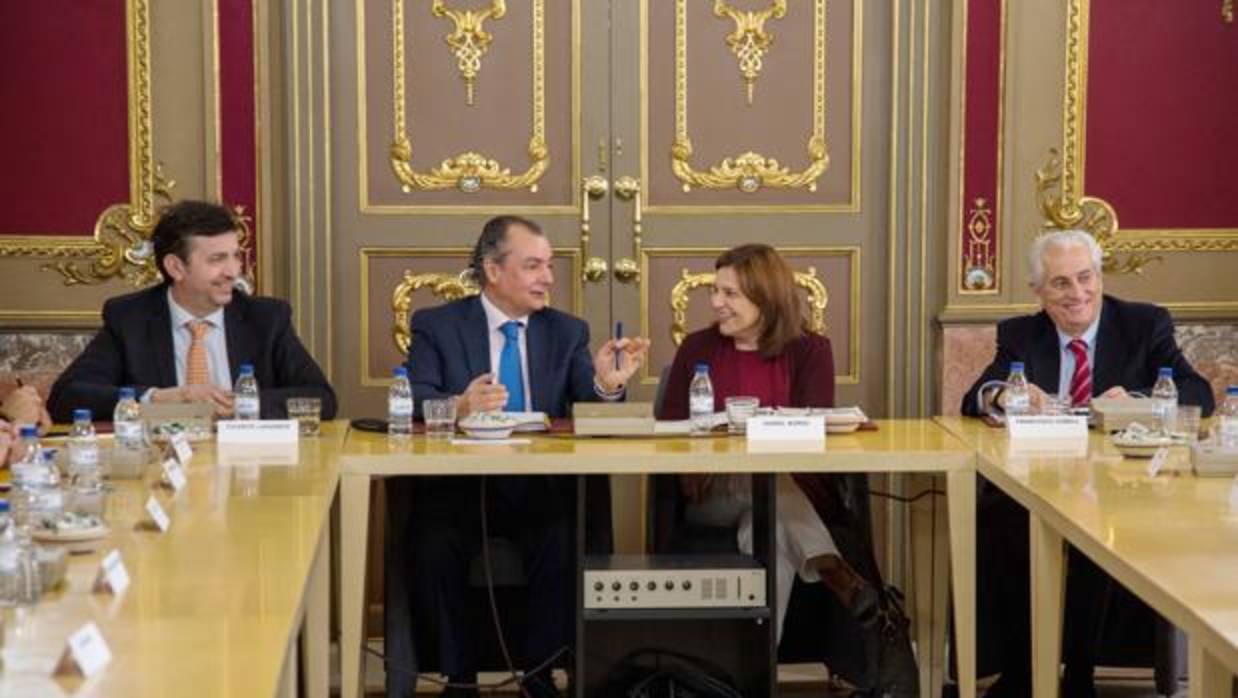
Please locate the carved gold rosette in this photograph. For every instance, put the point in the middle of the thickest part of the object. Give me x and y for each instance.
(818, 298)
(749, 171)
(469, 41)
(120, 244)
(750, 42)
(470, 172)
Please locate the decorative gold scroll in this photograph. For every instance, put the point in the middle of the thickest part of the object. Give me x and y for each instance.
(448, 287)
(471, 171)
(1060, 183)
(121, 240)
(818, 298)
(748, 171)
(750, 42)
(1227, 11)
(469, 41)
(980, 274)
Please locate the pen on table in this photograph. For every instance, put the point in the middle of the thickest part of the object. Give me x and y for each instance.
(618, 336)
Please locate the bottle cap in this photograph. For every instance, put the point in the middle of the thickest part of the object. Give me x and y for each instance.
(247, 369)
(127, 393)
(1232, 391)
(28, 431)
(1167, 372)
(4, 506)
(81, 414)
(400, 372)
(702, 367)
(1016, 366)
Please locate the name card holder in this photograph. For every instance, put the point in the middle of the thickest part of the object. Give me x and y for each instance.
(1048, 427)
(174, 475)
(801, 429)
(112, 576)
(86, 652)
(257, 431)
(181, 449)
(158, 516)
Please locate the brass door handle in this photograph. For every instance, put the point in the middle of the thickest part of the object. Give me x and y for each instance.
(627, 269)
(593, 269)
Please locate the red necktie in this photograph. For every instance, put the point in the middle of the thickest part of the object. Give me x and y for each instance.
(1081, 380)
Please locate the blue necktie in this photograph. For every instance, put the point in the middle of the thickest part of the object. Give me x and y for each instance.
(509, 366)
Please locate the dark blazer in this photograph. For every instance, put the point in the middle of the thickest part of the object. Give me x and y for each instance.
(134, 348)
(451, 347)
(1133, 342)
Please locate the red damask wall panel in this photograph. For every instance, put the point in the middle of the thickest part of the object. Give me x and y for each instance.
(238, 124)
(64, 123)
(981, 141)
(1162, 113)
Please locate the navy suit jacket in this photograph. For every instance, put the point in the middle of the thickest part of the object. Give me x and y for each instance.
(1133, 341)
(451, 347)
(134, 348)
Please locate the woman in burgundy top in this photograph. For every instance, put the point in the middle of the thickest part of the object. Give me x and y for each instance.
(760, 346)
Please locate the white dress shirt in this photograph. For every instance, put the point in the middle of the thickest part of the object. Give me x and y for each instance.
(1068, 357)
(495, 319)
(216, 344)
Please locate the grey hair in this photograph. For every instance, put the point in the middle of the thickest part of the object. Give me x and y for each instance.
(1058, 239)
(491, 244)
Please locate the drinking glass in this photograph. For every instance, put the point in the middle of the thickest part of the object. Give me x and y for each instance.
(440, 418)
(738, 409)
(308, 413)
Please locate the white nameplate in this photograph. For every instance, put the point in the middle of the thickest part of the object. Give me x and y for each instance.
(181, 448)
(808, 428)
(157, 514)
(85, 652)
(1158, 461)
(112, 574)
(1058, 427)
(174, 475)
(257, 431)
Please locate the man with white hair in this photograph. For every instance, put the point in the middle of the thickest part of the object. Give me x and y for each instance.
(1083, 344)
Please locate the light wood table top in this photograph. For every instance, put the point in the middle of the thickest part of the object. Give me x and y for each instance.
(895, 446)
(919, 444)
(1172, 538)
(213, 605)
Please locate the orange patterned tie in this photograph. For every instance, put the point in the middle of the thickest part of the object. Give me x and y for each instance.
(197, 372)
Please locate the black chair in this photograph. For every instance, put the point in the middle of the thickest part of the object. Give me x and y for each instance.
(409, 648)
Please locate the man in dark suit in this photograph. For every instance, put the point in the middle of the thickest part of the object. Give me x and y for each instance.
(185, 339)
(1082, 344)
(504, 349)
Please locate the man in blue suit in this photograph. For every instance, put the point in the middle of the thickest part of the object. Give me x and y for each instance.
(504, 349)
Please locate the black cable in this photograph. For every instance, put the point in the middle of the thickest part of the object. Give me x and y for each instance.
(494, 605)
(907, 500)
(416, 674)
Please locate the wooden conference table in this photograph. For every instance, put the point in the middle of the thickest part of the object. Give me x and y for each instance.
(1172, 539)
(216, 604)
(896, 446)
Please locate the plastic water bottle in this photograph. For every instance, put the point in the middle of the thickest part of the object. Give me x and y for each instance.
(25, 474)
(83, 446)
(129, 445)
(9, 551)
(701, 400)
(1227, 419)
(400, 405)
(1018, 395)
(1165, 395)
(245, 402)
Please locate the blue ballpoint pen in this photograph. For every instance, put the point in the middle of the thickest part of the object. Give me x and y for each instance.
(618, 336)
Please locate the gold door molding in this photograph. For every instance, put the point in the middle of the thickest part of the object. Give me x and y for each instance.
(120, 246)
(749, 171)
(471, 171)
(1060, 184)
(677, 299)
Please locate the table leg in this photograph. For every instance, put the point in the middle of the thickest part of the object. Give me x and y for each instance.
(288, 679)
(354, 532)
(1208, 678)
(1048, 576)
(961, 500)
(315, 634)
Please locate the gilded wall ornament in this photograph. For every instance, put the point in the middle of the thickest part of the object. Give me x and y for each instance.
(471, 171)
(750, 42)
(469, 41)
(448, 287)
(818, 298)
(978, 268)
(1227, 11)
(750, 171)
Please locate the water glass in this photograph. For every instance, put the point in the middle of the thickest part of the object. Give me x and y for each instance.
(308, 413)
(440, 418)
(1055, 405)
(739, 409)
(1188, 422)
